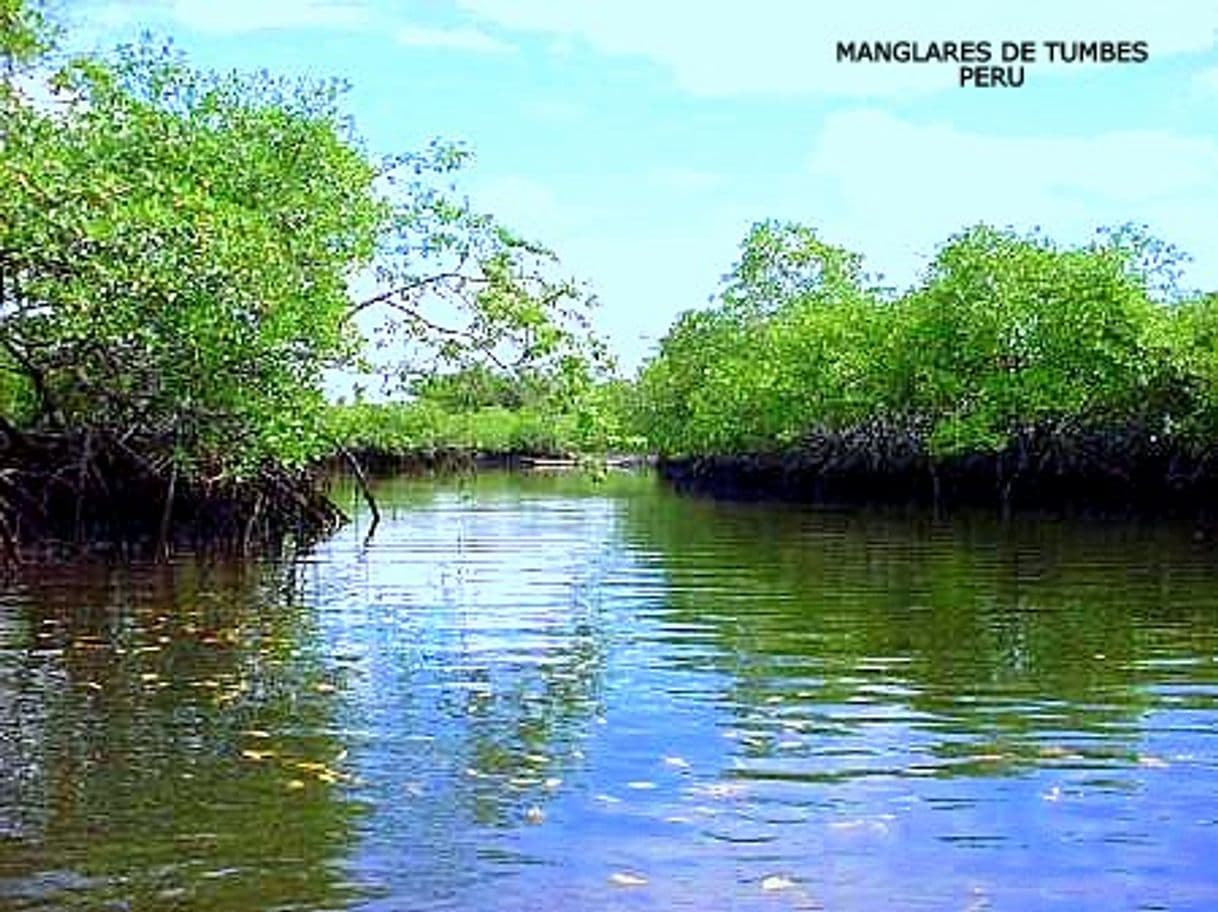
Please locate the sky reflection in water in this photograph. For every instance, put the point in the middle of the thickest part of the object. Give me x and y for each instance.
(546, 692)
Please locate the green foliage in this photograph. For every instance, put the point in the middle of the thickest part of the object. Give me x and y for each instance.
(177, 250)
(24, 35)
(176, 255)
(484, 412)
(789, 346)
(404, 428)
(479, 386)
(1189, 336)
(1005, 334)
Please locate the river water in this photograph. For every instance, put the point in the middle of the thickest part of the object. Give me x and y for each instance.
(553, 692)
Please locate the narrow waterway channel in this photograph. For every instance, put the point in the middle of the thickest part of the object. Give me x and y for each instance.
(552, 692)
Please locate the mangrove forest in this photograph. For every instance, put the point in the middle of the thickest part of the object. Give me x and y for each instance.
(187, 258)
(179, 252)
(345, 568)
(1018, 370)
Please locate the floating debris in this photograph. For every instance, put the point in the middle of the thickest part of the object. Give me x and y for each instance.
(323, 772)
(626, 879)
(719, 790)
(874, 826)
(676, 762)
(776, 882)
(534, 815)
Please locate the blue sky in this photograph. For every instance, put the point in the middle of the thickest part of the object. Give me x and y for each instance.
(641, 139)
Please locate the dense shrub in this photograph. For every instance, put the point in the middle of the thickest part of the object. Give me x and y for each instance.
(1005, 336)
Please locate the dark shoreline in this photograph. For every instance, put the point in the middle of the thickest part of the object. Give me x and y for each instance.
(69, 495)
(130, 510)
(381, 462)
(1098, 478)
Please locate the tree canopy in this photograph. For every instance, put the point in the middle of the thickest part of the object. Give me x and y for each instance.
(180, 250)
(186, 256)
(1005, 334)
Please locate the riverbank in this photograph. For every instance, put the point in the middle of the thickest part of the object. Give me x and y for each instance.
(455, 459)
(1110, 474)
(64, 494)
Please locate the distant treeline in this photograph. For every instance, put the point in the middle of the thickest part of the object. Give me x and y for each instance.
(1015, 372)
(479, 410)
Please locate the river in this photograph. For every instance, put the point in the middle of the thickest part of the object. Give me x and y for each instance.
(556, 692)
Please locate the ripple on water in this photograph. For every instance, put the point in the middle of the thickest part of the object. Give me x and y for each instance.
(530, 691)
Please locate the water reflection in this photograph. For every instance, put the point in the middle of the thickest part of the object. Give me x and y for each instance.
(471, 631)
(167, 743)
(561, 693)
(912, 694)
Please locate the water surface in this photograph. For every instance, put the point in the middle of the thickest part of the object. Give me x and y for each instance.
(552, 692)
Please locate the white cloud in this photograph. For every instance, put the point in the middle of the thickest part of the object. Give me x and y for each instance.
(1207, 80)
(454, 39)
(685, 180)
(788, 46)
(228, 16)
(524, 204)
(898, 189)
(257, 15)
(553, 111)
(240, 16)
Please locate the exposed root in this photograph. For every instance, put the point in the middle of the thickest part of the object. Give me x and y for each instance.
(1125, 471)
(92, 491)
